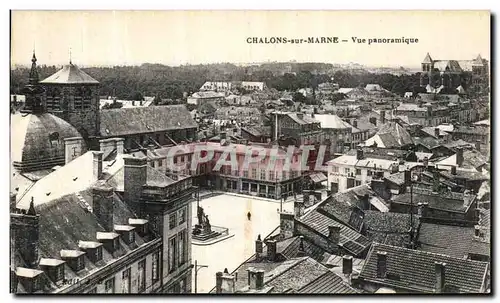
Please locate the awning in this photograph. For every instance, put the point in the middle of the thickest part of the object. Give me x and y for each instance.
(318, 177)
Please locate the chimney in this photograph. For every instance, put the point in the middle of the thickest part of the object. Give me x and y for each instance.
(382, 116)
(73, 148)
(366, 202)
(381, 264)
(287, 225)
(334, 234)
(97, 168)
(218, 282)
(258, 247)
(429, 110)
(436, 132)
(271, 250)
(359, 154)
(302, 251)
(25, 229)
(103, 205)
(347, 265)
(435, 184)
(255, 278)
(355, 123)
(119, 145)
(298, 207)
(107, 146)
(460, 157)
(305, 196)
(453, 170)
(134, 177)
(407, 177)
(426, 162)
(478, 145)
(13, 197)
(440, 276)
(477, 231)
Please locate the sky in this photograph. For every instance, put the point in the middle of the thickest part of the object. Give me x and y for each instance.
(97, 38)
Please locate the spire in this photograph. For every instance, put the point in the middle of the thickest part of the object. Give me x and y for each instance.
(31, 210)
(33, 72)
(70, 57)
(427, 59)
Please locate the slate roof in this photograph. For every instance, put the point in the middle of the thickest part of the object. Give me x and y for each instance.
(472, 159)
(328, 283)
(389, 227)
(304, 271)
(70, 74)
(455, 241)
(381, 153)
(351, 240)
(415, 270)
(449, 201)
(394, 135)
(65, 222)
(464, 174)
(127, 121)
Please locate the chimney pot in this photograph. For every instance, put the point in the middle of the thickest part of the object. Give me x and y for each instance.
(359, 154)
(218, 282)
(381, 264)
(271, 250)
(460, 157)
(477, 231)
(97, 164)
(453, 170)
(347, 265)
(440, 276)
(436, 132)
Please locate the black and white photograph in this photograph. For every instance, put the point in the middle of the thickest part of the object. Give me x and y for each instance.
(243, 152)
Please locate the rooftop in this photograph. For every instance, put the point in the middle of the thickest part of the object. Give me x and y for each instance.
(405, 265)
(70, 74)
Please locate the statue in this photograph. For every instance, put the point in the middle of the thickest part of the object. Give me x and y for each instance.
(206, 224)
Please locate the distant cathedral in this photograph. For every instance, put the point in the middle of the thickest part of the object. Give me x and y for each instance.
(460, 75)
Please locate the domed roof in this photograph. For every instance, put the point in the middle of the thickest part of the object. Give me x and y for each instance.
(37, 141)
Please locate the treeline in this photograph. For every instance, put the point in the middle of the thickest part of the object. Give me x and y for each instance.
(166, 82)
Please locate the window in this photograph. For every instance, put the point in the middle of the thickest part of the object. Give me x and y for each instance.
(245, 173)
(254, 173)
(346, 170)
(284, 175)
(271, 175)
(131, 236)
(182, 247)
(142, 275)
(154, 266)
(335, 169)
(357, 183)
(36, 283)
(369, 172)
(60, 272)
(182, 215)
(160, 163)
(263, 175)
(80, 263)
(126, 280)
(172, 253)
(98, 254)
(172, 220)
(109, 286)
(182, 286)
(358, 172)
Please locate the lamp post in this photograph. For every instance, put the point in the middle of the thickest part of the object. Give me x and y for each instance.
(196, 268)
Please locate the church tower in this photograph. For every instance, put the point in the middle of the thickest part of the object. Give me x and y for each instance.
(73, 95)
(427, 67)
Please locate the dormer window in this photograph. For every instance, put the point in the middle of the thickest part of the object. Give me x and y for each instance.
(31, 279)
(126, 232)
(110, 240)
(141, 225)
(74, 258)
(54, 268)
(92, 249)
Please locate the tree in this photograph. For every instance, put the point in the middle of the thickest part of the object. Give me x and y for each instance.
(298, 97)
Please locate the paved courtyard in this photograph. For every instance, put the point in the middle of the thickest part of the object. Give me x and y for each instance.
(231, 212)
